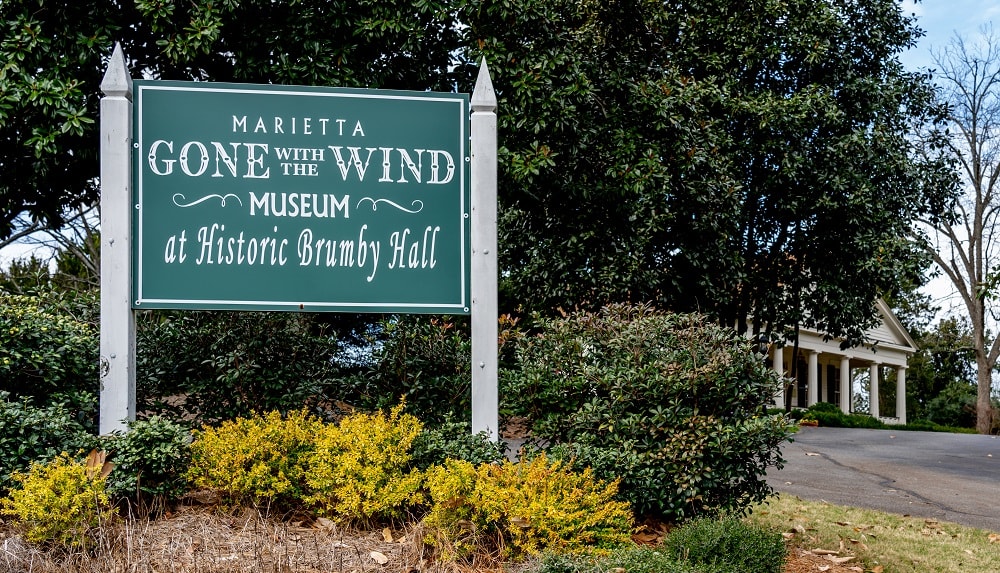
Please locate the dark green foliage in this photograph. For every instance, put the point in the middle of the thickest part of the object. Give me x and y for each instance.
(746, 160)
(673, 404)
(841, 420)
(454, 440)
(150, 460)
(24, 276)
(421, 359)
(54, 55)
(955, 405)
(829, 415)
(825, 407)
(944, 358)
(928, 426)
(636, 560)
(48, 347)
(205, 367)
(52, 68)
(39, 433)
(728, 544)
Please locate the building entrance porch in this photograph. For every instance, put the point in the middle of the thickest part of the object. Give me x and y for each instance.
(824, 372)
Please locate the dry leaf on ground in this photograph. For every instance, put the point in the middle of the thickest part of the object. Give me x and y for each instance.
(378, 557)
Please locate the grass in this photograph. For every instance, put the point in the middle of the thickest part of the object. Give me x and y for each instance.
(883, 542)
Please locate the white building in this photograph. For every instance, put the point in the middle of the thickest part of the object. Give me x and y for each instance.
(824, 370)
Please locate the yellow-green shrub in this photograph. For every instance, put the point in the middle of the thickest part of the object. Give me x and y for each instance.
(533, 505)
(58, 501)
(255, 459)
(358, 467)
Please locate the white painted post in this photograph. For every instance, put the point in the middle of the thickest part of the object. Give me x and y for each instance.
(778, 364)
(901, 394)
(485, 417)
(812, 381)
(117, 319)
(845, 384)
(873, 374)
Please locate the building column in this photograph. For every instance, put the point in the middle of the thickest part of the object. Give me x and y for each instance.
(845, 384)
(873, 390)
(777, 363)
(812, 394)
(901, 394)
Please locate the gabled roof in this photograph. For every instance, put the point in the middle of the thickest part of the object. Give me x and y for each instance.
(890, 331)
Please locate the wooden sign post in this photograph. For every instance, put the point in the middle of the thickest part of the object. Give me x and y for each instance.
(484, 257)
(117, 346)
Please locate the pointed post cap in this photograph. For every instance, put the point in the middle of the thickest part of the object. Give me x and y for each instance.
(117, 81)
(483, 96)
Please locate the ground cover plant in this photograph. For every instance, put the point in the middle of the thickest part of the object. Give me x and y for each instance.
(151, 461)
(524, 508)
(61, 501)
(725, 545)
(208, 538)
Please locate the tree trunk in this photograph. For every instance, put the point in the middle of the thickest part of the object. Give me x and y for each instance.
(984, 403)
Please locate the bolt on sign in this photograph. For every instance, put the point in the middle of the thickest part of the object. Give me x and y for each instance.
(257, 197)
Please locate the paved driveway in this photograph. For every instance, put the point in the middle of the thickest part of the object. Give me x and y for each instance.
(952, 477)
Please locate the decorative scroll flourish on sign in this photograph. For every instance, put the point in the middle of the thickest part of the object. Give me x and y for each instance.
(417, 204)
(221, 198)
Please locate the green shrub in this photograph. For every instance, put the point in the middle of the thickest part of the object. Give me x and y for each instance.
(954, 406)
(825, 407)
(674, 404)
(61, 501)
(151, 459)
(531, 506)
(259, 459)
(231, 364)
(357, 469)
(455, 440)
(928, 426)
(422, 359)
(630, 560)
(46, 352)
(727, 544)
(829, 416)
(30, 433)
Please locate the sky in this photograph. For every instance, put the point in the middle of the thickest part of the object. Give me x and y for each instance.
(941, 20)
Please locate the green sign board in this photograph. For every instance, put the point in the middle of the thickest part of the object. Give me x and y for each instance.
(285, 198)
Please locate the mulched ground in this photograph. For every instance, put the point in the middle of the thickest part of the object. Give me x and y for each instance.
(198, 539)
